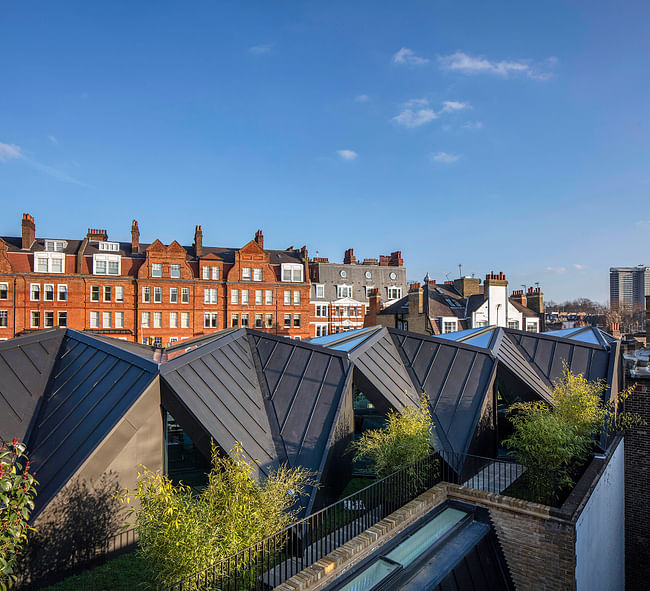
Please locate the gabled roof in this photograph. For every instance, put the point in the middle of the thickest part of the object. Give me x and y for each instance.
(90, 388)
(279, 398)
(456, 378)
(25, 366)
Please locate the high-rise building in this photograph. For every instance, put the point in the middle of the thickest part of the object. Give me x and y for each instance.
(628, 287)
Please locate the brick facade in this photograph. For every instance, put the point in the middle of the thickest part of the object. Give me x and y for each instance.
(637, 489)
(150, 293)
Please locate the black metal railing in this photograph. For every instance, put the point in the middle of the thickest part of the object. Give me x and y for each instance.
(277, 558)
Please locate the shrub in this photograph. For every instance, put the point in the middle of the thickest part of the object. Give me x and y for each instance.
(17, 493)
(182, 532)
(552, 442)
(405, 439)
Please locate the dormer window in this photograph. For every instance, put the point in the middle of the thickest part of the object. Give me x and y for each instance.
(55, 245)
(109, 246)
(49, 262)
(107, 264)
(292, 272)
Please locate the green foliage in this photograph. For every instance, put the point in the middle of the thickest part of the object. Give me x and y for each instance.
(17, 493)
(404, 440)
(182, 532)
(552, 442)
(129, 572)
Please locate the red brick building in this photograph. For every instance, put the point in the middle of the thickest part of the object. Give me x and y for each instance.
(149, 293)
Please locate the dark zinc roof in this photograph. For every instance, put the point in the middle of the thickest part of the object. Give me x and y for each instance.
(278, 397)
(456, 377)
(91, 387)
(25, 366)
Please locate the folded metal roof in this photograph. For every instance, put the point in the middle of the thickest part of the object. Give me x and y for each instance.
(91, 386)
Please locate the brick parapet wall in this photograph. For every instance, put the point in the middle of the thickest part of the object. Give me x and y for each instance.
(637, 488)
(539, 547)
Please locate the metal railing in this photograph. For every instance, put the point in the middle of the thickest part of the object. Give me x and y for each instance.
(277, 558)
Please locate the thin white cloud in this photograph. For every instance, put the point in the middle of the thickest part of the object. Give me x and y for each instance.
(347, 154)
(579, 266)
(9, 152)
(407, 56)
(362, 98)
(416, 112)
(451, 106)
(559, 270)
(53, 139)
(444, 157)
(471, 65)
(12, 152)
(260, 49)
(473, 125)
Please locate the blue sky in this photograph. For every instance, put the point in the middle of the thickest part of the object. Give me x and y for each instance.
(503, 136)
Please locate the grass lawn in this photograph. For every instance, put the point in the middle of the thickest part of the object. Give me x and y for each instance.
(354, 485)
(125, 573)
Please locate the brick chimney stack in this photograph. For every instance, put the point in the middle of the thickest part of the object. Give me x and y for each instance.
(374, 306)
(467, 286)
(198, 241)
(97, 234)
(349, 258)
(535, 299)
(135, 237)
(519, 296)
(259, 238)
(415, 299)
(396, 259)
(29, 231)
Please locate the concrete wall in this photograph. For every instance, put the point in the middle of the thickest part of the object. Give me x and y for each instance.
(600, 532)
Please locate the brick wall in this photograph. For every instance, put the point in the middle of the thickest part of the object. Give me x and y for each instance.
(539, 548)
(637, 489)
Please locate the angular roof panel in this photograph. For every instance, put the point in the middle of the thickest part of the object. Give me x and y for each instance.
(91, 387)
(25, 366)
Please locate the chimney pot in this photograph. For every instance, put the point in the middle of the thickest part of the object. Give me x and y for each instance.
(259, 238)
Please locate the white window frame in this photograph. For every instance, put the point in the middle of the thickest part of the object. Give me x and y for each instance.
(185, 319)
(210, 320)
(205, 273)
(234, 296)
(210, 295)
(93, 320)
(119, 319)
(321, 330)
(146, 294)
(62, 288)
(104, 245)
(32, 288)
(49, 258)
(246, 274)
(259, 317)
(175, 271)
(55, 245)
(185, 291)
(156, 270)
(449, 326)
(4, 289)
(287, 297)
(110, 292)
(320, 290)
(291, 272)
(259, 297)
(296, 298)
(37, 314)
(119, 293)
(145, 320)
(393, 292)
(157, 320)
(268, 297)
(107, 320)
(47, 324)
(244, 297)
(62, 314)
(157, 294)
(344, 291)
(173, 320)
(107, 259)
(173, 295)
(50, 291)
(215, 273)
(297, 323)
(244, 320)
(234, 320)
(287, 321)
(4, 318)
(257, 274)
(268, 320)
(95, 293)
